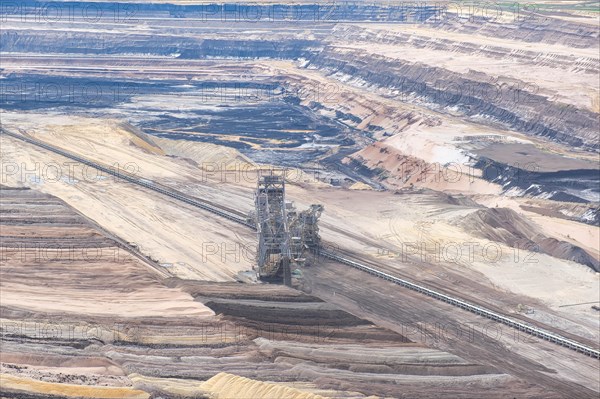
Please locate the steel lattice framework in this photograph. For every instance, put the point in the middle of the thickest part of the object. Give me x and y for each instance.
(273, 234)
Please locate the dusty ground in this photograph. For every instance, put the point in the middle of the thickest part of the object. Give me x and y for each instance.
(377, 224)
(71, 256)
(383, 221)
(111, 326)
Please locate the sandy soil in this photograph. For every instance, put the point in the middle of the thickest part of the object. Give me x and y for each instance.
(370, 222)
(132, 215)
(69, 390)
(87, 274)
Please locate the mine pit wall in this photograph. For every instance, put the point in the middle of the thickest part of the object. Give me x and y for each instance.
(506, 103)
(357, 34)
(529, 28)
(509, 104)
(562, 185)
(232, 12)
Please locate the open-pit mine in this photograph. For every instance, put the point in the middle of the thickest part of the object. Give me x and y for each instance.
(299, 200)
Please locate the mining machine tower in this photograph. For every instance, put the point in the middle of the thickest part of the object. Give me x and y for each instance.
(284, 235)
(273, 236)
